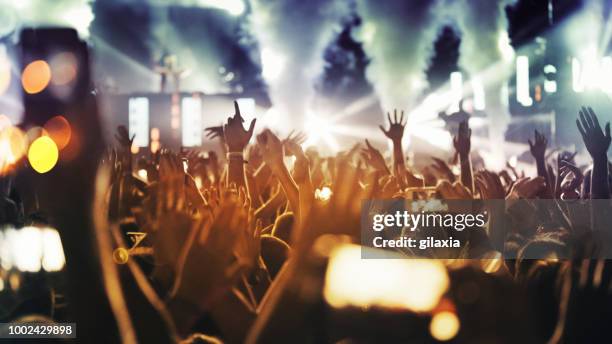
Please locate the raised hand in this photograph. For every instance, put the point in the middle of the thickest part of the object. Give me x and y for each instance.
(462, 141)
(248, 244)
(374, 158)
(538, 146)
(294, 138)
(462, 144)
(271, 148)
(123, 137)
(208, 268)
(396, 127)
(527, 188)
(453, 191)
(441, 167)
(213, 132)
(301, 170)
(236, 138)
(490, 186)
(596, 140)
(567, 168)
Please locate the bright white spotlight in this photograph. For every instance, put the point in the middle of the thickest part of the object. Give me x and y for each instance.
(271, 118)
(53, 252)
(191, 118)
(233, 7)
(479, 94)
(138, 120)
(79, 18)
(456, 82)
(550, 86)
(272, 64)
(522, 81)
(503, 44)
(318, 128)
(27, 247)
(606, 74)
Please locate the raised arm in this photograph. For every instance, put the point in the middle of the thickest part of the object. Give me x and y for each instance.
(236, 139)
(301, 175)
(597, 142)
(537, 147)
(395, 134)
(462, 143)
(272, 152)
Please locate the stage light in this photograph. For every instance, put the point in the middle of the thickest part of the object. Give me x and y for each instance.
(53, 253)
(479, 94)
(323, 194)
(5, 122)
(79, 17)
(272, 64)
(155, 134)
(43, 154)
(412, 284)
(319, 129)
(456, 82)
(5, 70)
(27, 248)
(444, 326)
(504, 46)
(59, 130)
(30, 248)
(522, 81)
(12, 147)
(63, 68)
(577, 76)
(138, 120)
(36, 77)
(142, 173)
(233, 7)
(368, 32)
(191, 121)
(606, 74)
(550, 85)
(155, 146)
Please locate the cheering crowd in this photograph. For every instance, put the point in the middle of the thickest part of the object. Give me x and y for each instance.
(230, 237)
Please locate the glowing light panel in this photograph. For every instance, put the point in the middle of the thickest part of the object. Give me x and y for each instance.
(139, 120)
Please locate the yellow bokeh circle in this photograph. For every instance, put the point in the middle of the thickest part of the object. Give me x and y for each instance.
(444, 326)
(43, 154)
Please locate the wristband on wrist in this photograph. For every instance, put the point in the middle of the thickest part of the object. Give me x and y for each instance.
(236, 156)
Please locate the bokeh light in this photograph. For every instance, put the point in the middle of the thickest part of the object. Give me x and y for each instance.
(121, 255)
(323, 194)
(35, 132)
(31, 248)
(12, 147)
(58, 128)
(444, 326)
(5, 122)
(413, 284)
(36, 77)
(53, 252)
(43, 154)
(5, 72)
(63, 68)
